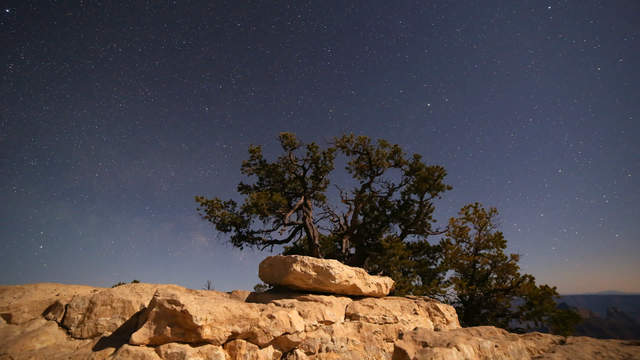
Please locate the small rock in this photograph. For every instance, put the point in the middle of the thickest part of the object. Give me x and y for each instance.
(242, 350)
(54, 312)
(128, 352)
(174, 351)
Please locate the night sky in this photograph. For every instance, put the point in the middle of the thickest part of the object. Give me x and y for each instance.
(113, 116)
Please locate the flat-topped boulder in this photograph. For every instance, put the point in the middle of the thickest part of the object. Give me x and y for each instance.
(322, 275)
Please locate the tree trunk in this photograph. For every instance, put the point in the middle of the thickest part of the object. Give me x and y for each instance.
(310, 229)
(345, 246)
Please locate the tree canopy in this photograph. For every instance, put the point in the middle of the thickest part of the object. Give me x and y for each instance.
(286, 204)
(487, 286)
(383, 221)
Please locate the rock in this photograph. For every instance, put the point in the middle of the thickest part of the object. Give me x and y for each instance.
(34, 335)
(54, 312)
(348, 340)
(39, 339)
(102, 312)
(314, 309)
(190, 316)
(482, 342)
(179, 324)
(240, 294)
(296, 354)
(21, 303)
(586, 348)
(242, 350)
(407, 312)
(174, 351)
(128, 352)
(322, 275)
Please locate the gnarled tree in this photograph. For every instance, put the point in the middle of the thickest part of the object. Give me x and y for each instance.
(380, 222)
(279, 206)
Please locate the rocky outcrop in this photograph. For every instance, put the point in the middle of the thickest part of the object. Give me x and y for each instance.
(320, 275)
(195, 317)
(21, 303)
(487, 342)
(104, 311)
(169, 322)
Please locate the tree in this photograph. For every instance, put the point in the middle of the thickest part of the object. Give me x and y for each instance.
(279, 206)
(387, 213)
(488, 288)
(382, 211)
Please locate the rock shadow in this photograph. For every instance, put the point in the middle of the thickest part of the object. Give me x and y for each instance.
(121, 335)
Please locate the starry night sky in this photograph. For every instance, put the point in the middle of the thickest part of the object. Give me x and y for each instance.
(113, 116)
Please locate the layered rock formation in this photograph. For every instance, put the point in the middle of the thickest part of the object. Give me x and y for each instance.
(147, 321)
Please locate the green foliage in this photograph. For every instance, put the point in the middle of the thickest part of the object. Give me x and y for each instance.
(378, 224)
(382, 223)
(120, 283)
(564, 321)
(279, 206)
(261, 287)
(488, 288)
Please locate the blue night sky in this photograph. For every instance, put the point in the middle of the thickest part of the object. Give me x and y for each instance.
(113, 116)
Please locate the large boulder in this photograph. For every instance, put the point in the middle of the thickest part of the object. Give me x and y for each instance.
(322, 275)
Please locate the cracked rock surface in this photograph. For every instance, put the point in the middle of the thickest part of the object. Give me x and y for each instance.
(169, 322)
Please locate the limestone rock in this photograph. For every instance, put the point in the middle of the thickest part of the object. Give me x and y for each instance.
(586, 348)
(174, 351)
(101, 313)
(54, 312)
(21, 303)
(190, 316)
(240, 294)
(314, 309)
(128, 352)
(33, 335)
(242, 350)
(40, 339)
(180, 324)
(407, 312)
(348, 340)
(482, 342)
(322, 275)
